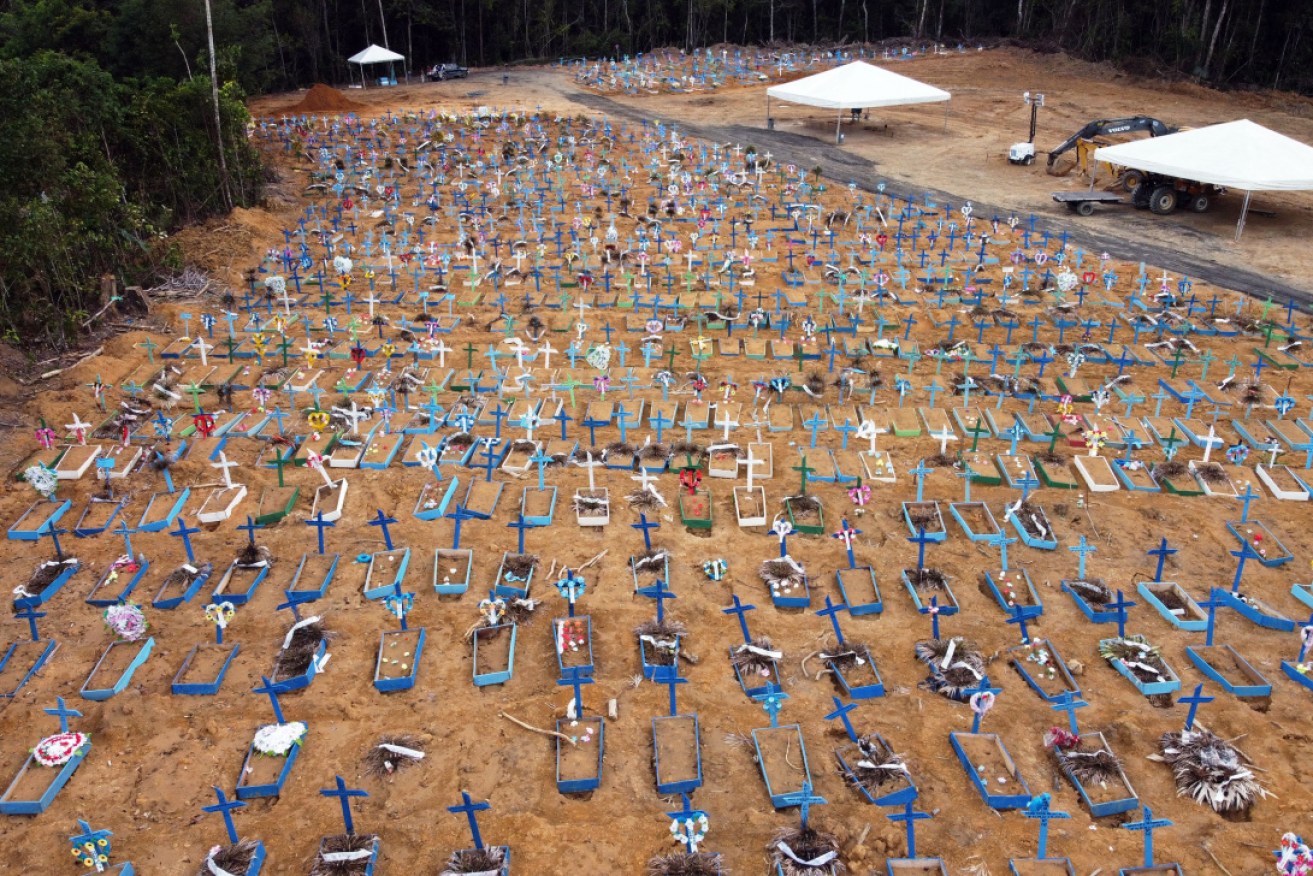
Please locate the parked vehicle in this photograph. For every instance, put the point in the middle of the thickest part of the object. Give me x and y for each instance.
(441, 72)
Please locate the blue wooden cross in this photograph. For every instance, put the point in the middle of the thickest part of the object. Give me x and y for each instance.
(982, 687)
(659, 422)
(268, 688)
(1069, 702)
(741, 611)
(920, 540)
(658, 592)
(249, 527)
(576, 681)
(841, 712)
(804, 799)
(1212, 603)
(1081, 550)
(673, 681)
(562, 417)
(185, 532)
(30, 614)
(92, 846)
(909, 816)
(294, 601)
(320, 524)
(645, 525)
(1162, 552)
(1120, 606)
(1013, 435)
(344, 795)
(541, 458)
(772, 703)
(127, 532)
(460, 515)
(1148, 824)
(54, 532)
(1019, 617)
(814, 424)
(1195, 700)
(920, 472)
(470, 810)
(1001, 542)
(1038, 808)
(63, 713)
(225, 808)
(520, 525)
(1245, 498)
(832, 612)
(489, 459)
(933, 609)
(1246, 552)
(383, 521)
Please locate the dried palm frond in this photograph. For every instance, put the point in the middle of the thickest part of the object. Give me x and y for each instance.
(1211, 473)
(253, 555)
(1209, 769)
(926, 579)
(964, 670)
(182, 576)
(749, 658)
(489, 859)
(380, 762)
(654, 559)
(1169, 470)
(519, 565)
(806, 844)
(296, 658)
(1092, 590)
(803, 504)
(1097, 767)
(875, 766)
(684, 864)
(658, 450)
(643, 500)
(850, 653)
(618, 448)
(782, 571)
(343, 842)
(235, 858)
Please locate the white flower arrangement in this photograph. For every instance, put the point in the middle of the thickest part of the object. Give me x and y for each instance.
(41, 479)
(276, 740)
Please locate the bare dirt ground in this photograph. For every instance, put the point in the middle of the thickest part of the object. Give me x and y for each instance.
(155, 756)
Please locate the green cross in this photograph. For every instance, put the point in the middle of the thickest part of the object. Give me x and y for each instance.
(804, 470)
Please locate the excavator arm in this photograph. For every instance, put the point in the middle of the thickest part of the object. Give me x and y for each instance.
(1103, 127)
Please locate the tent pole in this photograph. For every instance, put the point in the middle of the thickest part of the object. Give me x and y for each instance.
(945, 117)
(1240, 226)
(838, 122)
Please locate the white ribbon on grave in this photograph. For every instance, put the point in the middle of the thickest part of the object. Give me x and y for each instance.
(659, 643)
(336, 857)
(968, 667)
(820, 861)
(402, 750)
(948, 655)
(760, 652)
(287, 640)
(321, 662)
(1145, 666)
(867, 765)
(215, 869)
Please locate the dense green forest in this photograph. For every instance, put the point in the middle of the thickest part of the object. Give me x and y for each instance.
(111, 133)
(279, 44)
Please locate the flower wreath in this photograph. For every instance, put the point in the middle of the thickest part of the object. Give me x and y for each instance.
(276, 740)
(59, 749)
(127, 621)
(679, 828)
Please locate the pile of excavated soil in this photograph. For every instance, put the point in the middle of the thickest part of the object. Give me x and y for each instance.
(324, 98)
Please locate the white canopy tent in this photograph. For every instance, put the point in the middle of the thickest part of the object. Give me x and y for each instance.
(1237, 155)
(855, 86)
(375, 54)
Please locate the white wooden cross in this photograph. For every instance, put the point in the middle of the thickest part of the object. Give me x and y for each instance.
(1208, 447)
(223, 465)
(205, 349)
(517, 345)
(590, 465)
(442, 350)
(316, 462)
(547, 350)
(751, 463)
(867, 430)
(531, 421)
(355, 415)
(79, 429)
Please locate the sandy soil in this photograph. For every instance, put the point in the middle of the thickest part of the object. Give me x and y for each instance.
(156, 756)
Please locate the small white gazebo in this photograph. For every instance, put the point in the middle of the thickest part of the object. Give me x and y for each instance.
(858, 85)
(1240, 155)
(375, 55)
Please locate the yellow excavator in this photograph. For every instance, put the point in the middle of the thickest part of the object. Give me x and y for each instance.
(1084, 142)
